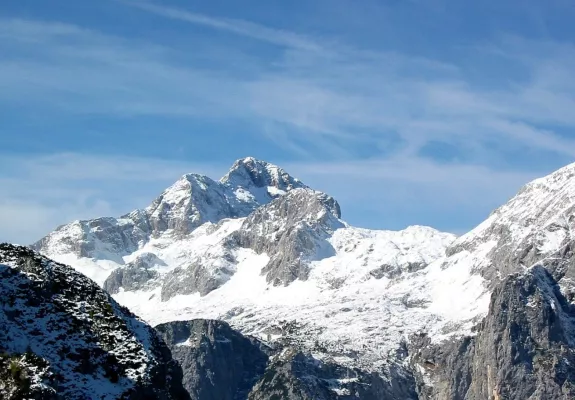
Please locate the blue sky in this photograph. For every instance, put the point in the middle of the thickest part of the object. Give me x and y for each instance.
(408, 112)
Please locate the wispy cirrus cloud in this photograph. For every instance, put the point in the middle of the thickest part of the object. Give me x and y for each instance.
(374, 117)
(323, 94)
(337, 89)
(234, 26)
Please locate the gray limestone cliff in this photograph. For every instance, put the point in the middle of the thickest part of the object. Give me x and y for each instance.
(135, 275)
(523, 349)
(296, 375)
(218, 362)
(292, 230)
(202, 275)
(535, 226)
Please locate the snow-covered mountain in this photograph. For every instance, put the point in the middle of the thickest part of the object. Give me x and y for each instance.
(273, 258)
(190, 202)
(256, 249)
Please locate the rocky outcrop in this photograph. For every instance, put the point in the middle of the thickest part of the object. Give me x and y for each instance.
(105, 238)
(292, 230)
(218, 362)
(190, 202)
(253, 183)
(64, 337)
(199, 277)
(295, 375)
(135, 275)
(523, 349)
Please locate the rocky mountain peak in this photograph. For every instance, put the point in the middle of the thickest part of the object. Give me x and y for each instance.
(196, 199)
(529, 228)
(250, 173)
(191, 201)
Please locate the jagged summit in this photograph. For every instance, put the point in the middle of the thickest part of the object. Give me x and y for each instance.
(253, 183)
(190, 202)
(196, 199)
(250, 172)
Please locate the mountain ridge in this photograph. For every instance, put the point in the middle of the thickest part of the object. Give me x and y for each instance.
(64, 337)
(184, 206)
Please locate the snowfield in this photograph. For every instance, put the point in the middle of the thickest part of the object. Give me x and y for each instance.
(344, 305)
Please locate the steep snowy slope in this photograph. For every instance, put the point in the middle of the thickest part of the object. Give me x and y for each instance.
(536, 223)
(62, 336)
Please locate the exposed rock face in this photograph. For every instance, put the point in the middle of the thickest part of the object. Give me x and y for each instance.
(187, 204)
(104, 237)
(523, 349)
(292, 230)
(218, 362)
(64, 337)
(256, 182)
(294, 375)
(202, 275)
(135, 275)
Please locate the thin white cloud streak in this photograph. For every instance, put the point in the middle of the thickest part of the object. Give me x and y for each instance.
(538, 96)
(35, 31)
(81, 167)
(234, 26)
(56, 170)
(338, 92)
